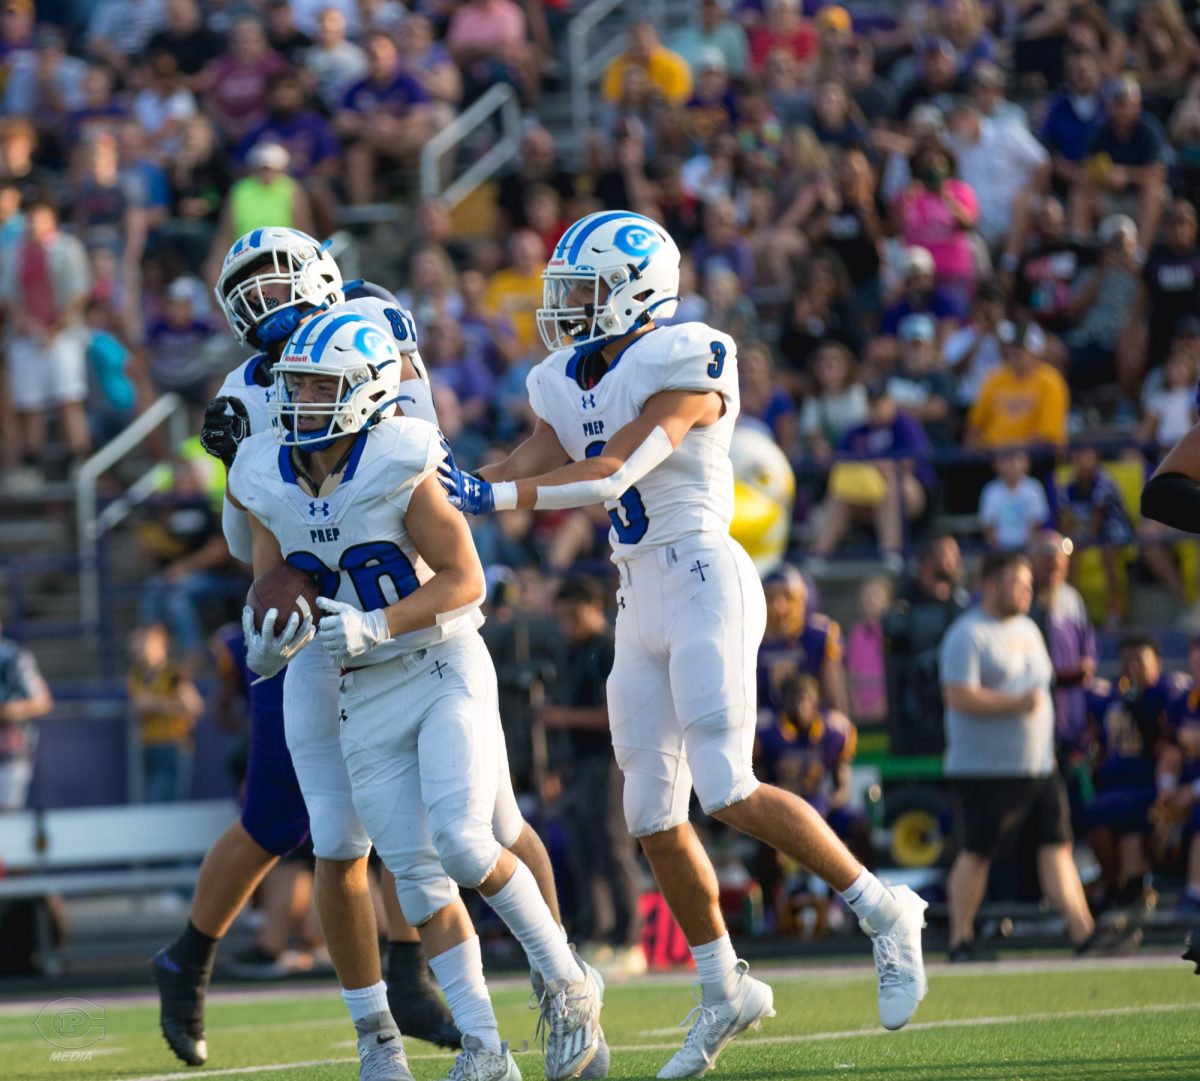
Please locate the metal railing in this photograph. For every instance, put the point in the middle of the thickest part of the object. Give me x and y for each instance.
(499, 100)
(587, 63)
(91, 524)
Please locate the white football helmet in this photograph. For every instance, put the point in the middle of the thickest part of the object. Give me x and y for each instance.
(359, 355)
(275, 256)
(635, 259)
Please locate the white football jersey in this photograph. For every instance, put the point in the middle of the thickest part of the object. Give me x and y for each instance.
(692, 491)
(251, 381)
(352, 539)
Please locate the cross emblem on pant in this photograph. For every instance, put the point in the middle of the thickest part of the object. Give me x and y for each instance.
(699, 568)
(438, 667)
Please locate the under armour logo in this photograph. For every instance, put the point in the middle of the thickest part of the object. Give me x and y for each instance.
(269, 396)
(315, 508)
(620, 602)
(342, 715)
(588, 401)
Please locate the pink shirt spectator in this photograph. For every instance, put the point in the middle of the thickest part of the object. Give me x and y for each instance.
(486, 26)
(926, 221)
(865, 673)
(239, 92)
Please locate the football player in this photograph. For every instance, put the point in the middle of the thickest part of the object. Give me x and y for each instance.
(349, 493)
(643, 416)
(273, 279)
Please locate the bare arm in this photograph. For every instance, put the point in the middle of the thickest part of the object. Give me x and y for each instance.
(540, 453)
(584, 718)
(267, 553)
(442, 538)
(985, 702)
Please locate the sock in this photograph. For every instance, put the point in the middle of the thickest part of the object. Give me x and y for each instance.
(869, 899)
(406, 963)
(362, 1002)
(716, 965)
(521, 906)
(195, 949)
(460, 972)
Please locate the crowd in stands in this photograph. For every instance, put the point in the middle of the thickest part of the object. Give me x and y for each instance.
(955, 241)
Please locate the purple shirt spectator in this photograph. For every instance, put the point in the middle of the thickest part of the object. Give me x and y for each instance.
(394, 97)
(903, 438)
(1071, 639)
(307, 137)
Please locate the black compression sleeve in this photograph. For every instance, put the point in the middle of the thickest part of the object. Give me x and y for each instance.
(1174, 500)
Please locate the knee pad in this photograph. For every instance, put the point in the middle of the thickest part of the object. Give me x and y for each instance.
(337, 834)
(658, 789)
(720, 760)
(422, 897)
(467, 853)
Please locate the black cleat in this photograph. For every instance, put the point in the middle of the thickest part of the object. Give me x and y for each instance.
(181, 993)
(1192, 948)
(417, 1007)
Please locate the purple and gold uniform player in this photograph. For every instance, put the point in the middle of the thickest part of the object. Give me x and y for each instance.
(1132, 726)
(798, 639)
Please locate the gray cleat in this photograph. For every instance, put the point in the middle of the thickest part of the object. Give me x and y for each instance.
(381, 1050)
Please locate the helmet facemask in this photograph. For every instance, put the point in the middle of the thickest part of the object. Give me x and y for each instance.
(564, 325)
(364, 395)
(261, 319)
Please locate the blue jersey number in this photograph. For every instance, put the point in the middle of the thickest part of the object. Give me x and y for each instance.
(630, 522)
(367, 566)
(403, 327)
(717, 365)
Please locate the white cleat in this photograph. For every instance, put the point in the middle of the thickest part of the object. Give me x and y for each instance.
(380, 1050)
(898, 960)
(476, 1063)
(717, 1024)
(598, 1067)
(570, 1018)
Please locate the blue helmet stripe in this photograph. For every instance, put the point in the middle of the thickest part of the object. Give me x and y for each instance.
(328, 332)
(565, 239)
(603, 219)
(256, 238)
(305, 334)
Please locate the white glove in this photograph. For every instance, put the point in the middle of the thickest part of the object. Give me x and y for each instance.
(348, 632)
(268, 653)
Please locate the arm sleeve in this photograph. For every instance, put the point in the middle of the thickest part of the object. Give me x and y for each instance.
(959, 659)
(235, 524)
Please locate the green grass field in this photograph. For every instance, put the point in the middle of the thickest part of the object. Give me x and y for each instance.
(1035, 1021)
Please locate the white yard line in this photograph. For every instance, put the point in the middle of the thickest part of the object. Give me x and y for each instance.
(811, 1037)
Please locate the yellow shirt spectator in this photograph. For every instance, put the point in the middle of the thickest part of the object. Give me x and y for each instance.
(1019, 403)
(516, 291)
(667, 72)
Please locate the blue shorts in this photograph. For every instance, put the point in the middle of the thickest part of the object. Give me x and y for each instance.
(1124, 810)
(273, 813)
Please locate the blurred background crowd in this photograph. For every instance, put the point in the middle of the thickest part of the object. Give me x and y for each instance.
(955, 241)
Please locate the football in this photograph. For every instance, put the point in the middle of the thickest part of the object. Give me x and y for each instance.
(285, 588)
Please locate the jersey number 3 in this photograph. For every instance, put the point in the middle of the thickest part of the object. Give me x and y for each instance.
(368, 566)
(717, 364)
(630, 522)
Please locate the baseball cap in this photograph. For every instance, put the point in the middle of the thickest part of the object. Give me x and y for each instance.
(1027, 336)
(987, 73)
(917, 328)
(834, 17)
(939, 44)
(185, 289)
(1115, 224)
(268, 156)
(916, 260)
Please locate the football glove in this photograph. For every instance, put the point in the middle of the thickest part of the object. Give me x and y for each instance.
(268, 653)
(226, 424)
(347, 632)
(466, 492)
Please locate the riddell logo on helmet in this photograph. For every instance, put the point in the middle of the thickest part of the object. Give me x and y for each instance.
(295, 358)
